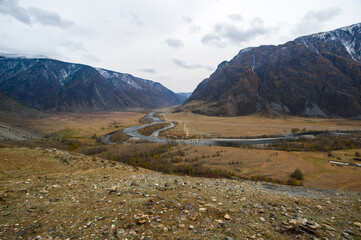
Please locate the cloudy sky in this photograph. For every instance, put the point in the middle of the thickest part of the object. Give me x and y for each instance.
(176, 42)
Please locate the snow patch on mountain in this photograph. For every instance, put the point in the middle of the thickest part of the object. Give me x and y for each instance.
(348, 37)
(241, 53)
(65, 73)
(4, 55)
(119, 79)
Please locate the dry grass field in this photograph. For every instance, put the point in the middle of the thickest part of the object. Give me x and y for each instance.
(245, 163)
(86, 124)
(318, 172)
(253, 125)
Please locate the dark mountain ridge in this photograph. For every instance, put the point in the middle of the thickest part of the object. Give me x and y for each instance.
(52, 85)
(315, 75)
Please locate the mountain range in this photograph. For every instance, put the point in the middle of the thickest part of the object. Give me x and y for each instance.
(314, 75)
(51, 85)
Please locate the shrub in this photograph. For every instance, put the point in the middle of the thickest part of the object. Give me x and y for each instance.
(95, 150)
(297, 174)
(148, 130)
(74, 146)
(295, 130)
(118, 137)
(357, 154)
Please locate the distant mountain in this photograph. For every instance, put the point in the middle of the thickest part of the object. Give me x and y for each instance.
(315, 75)
(51, 85)
(185, 94)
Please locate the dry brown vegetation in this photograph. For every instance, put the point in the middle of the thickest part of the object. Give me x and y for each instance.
(118, 137)
(78, 135)
(84, 125)
(253, 125)
(148, 130)
(322, 142)
(229, 162)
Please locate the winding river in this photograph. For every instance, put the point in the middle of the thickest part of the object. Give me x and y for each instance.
(133, 132)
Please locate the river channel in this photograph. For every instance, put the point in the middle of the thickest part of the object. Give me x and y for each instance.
(154, 137)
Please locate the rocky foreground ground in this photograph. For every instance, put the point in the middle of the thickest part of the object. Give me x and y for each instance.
(52, 194)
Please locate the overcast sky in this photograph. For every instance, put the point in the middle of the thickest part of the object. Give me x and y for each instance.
(175, 42)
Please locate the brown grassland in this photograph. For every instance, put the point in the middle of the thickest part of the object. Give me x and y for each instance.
(253, 125)
(254, 164)
(84, 125)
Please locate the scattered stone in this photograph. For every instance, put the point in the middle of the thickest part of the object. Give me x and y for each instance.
(328, 227)
(272, 216)
(220, 222)
(141, 221)
(203, 209)
(112, 189)
(191, 227)
(227, 217)
(357, 224)
(88, 224)
(6, 214)
(262, 219)
(210, 205)
(347, 236)
(312, 225)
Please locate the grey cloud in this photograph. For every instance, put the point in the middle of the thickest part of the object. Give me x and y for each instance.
(174, 43)
(12, 8)
(132, 17)
(313, 21)
(49, 18)
(323, 14)
(185, 65)
(235, 17)
(195, 28)
(148, 70)
(32, 14)
(226, 33)
(187, 19)
(91, 57)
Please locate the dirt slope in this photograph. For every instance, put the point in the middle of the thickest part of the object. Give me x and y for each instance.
(51, 194)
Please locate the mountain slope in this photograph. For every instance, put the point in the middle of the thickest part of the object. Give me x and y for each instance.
(51, 85)
(311, 76)
(12, 109)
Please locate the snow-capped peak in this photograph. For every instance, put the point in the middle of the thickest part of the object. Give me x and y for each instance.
(350, 28)
(22, 56)
(347, 36)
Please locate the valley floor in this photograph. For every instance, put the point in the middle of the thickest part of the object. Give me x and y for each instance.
(49, 193)
(253, 125)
